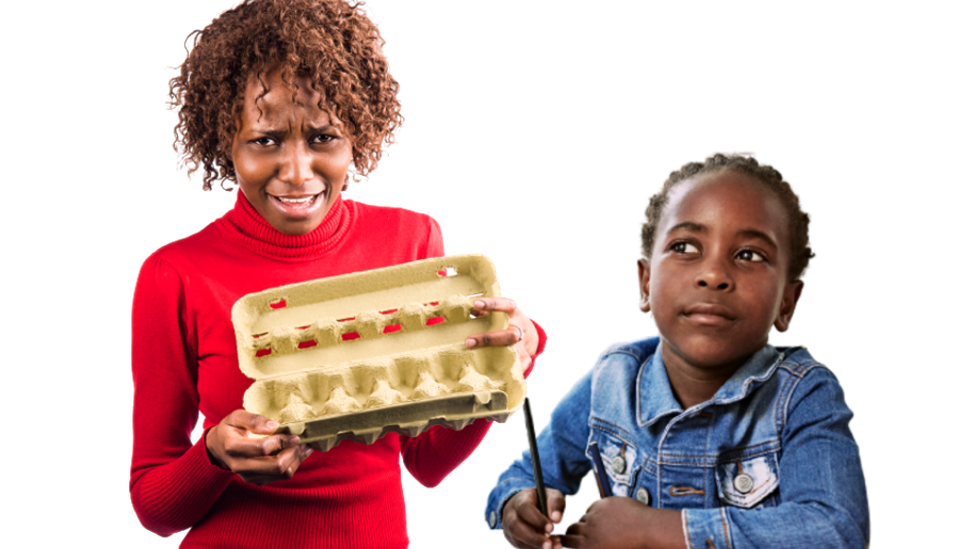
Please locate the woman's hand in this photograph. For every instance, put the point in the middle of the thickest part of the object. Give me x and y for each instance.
(256, 459)
(520, 332)
(625, 523)
(524, 524)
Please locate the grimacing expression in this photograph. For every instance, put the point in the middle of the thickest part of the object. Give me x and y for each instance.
(717, 278)
(290, 157)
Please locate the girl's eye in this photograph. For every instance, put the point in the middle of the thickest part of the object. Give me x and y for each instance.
(263, 141)
(750, 255)
(684, 248)
(323, 138)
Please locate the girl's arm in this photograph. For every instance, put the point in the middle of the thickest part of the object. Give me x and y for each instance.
(823, 501)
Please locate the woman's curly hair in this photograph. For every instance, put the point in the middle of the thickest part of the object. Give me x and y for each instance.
(330, 42)
(800, 252)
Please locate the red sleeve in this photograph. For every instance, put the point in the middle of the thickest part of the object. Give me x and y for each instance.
(435, 241)
(432, 455)
(172, 483)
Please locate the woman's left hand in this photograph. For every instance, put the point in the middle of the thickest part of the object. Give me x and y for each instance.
(520, 332)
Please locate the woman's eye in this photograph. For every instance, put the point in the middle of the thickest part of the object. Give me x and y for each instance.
(684, 248)
(750, 255)
(323, 138)
(263, 141)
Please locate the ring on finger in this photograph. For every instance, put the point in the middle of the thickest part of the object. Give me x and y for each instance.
(521, 333)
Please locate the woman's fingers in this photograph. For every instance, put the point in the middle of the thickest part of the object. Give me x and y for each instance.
(520, 332)
(243, 443)
(493, 339)
(491, 304)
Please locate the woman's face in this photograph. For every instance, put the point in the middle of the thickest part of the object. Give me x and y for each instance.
(290, 156)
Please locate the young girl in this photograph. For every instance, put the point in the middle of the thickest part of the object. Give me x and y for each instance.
(705, 437)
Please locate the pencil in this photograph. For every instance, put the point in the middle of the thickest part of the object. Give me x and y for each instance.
(540, 487)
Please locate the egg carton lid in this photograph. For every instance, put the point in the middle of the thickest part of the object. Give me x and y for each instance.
(389, 331)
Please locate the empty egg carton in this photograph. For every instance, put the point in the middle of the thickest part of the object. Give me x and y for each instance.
(363, 354)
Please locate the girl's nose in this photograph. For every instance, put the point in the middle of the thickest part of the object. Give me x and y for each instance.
(296, 166)
(715, 276)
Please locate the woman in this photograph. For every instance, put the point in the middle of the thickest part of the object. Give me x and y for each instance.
(282, 97)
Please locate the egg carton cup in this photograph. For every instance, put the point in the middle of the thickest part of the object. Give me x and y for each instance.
(360, 355)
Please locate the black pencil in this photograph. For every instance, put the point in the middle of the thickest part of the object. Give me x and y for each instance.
(540, 487)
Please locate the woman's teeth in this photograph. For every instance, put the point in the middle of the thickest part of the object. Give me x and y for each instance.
(297, 201)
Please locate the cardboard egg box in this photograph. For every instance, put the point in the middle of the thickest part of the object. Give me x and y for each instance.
(363, 354)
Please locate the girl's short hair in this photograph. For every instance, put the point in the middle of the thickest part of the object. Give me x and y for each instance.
(800, 252)
(330, 42)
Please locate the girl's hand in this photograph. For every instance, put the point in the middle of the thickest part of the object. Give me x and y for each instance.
(518, 325)
(625, 523)
(525, 526)
(256, 459)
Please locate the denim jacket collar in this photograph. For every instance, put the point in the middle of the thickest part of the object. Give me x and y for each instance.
(655, 398)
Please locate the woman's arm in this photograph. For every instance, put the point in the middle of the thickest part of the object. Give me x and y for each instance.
(172, 481)
(432, 455)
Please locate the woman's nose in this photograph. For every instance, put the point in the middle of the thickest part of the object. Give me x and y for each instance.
(715, 275)
(296, 166)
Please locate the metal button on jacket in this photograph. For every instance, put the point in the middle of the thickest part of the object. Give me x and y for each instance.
(619, 464)
(643, 496)
(742, 483)
(492, 519)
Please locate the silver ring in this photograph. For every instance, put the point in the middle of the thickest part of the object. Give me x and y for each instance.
(521, 333)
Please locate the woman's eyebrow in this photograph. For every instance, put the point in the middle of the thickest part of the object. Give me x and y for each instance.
(321, 129)
(756, 233)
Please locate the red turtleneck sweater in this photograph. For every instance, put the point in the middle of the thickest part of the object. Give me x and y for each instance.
(184, 362)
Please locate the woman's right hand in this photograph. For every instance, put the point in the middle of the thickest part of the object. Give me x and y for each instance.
(524, 524)
(256, 459)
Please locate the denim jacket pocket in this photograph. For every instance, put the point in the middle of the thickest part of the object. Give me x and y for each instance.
(746, 482)
(620, 461)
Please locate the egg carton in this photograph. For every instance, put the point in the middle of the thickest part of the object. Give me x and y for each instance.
(360, 355)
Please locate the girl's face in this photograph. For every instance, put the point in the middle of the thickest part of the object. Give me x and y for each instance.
(717, 278)
(289, 155)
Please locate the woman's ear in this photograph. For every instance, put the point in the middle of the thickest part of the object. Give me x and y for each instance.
(791, 294)
(644, 275)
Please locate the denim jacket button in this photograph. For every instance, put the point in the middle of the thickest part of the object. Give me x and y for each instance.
(742, 483)
(619, 464)
(643, 496)
(492, 519)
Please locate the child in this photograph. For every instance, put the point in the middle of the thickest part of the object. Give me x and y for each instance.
(708, 437)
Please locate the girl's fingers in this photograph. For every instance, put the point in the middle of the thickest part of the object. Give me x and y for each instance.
(556, 504)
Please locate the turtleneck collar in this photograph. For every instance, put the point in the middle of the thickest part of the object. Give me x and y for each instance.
(244, 225)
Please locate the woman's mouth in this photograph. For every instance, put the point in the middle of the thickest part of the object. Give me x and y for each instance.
(297, 205)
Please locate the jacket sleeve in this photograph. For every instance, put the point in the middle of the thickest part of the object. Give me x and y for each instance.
(823, 500)
(562, 453)
(172, 483)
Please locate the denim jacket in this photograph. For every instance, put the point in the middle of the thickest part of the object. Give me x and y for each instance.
(769, 461)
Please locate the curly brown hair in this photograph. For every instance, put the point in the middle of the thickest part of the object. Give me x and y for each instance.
(330, 42)
(800, 252)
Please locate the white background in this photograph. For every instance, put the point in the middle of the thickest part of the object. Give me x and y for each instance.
(535, 132)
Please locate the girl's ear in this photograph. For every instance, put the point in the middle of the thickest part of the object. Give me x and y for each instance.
(644, 275)
(791, 294)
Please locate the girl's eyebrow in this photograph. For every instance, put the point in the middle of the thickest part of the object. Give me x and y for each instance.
(689, 225)
(756, 233)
